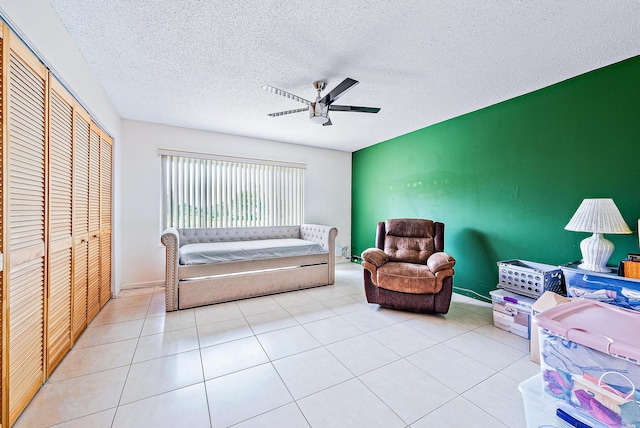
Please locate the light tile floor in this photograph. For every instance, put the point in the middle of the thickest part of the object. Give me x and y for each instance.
(319, 357)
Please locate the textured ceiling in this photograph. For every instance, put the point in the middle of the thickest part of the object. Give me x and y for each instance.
(201, 64)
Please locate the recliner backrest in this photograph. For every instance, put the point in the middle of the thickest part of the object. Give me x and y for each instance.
(409, 240)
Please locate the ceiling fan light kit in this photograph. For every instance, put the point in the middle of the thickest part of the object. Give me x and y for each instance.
(319, 110)
(319, 113)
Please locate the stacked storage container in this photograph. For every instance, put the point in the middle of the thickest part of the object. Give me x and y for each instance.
(520, 283)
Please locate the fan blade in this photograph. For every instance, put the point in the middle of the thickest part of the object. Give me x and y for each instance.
(286, 94)
(339, 90)
(327, 123)
(282, 113)
(354, 108)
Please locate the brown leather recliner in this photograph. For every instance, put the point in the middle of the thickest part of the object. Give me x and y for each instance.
(408, 269)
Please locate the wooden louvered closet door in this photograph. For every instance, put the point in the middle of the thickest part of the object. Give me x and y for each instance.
(105, 218)
(80, 219)
(26, 225)
(55, 223)
(3, 282)
(93, 296)
(60, 230)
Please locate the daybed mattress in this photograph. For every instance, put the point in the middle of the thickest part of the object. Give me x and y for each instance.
(220, 252)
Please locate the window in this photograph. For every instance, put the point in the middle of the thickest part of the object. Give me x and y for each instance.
(216, 191)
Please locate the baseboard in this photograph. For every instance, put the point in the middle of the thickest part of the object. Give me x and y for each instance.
(146, 284)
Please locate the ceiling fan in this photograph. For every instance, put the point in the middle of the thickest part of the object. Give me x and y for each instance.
(319, 110)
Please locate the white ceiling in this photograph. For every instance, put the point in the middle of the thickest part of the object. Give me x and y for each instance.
(201, 64)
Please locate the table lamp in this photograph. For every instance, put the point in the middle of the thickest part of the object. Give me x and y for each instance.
(597, 216)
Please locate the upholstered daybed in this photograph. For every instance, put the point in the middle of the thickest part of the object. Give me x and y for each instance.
(214, 265)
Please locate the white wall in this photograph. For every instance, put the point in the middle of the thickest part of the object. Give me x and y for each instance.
(327, 186)
(38, 24)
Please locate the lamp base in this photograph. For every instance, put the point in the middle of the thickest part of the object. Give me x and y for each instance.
(596, 251)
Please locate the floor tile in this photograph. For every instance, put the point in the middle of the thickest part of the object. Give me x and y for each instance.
(258, 305)
(115, 315)
(158, 297)
(287, 416)
(162, 375)
(282, 343)
(310, 312)
(132, 300)
(407, 390)
(160, 345)
(156, 309)
(460, 314)
(503, 336)
(368, 320)
(217, 313)
(83, 361)
(169, 321)
(332, 330)
(348, 405)
(459, 372)
(361, 354)
(486, 350)
(243, 395)
(326, 292)
(500, 397)
(96, 420)
(436, 326)
(293, 299)
(185, 407)
(224, 331)
(310, 372)
(259, 354)
(344, 304)
(522, 369)
(459, 413)
(269, 321)
(99, 335)
(394, 314)
(403, 340)
(229, 357)
(73, 398)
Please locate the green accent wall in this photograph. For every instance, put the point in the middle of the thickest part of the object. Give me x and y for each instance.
(506, 179)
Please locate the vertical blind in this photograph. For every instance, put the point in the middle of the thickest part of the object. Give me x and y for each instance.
(211, 191)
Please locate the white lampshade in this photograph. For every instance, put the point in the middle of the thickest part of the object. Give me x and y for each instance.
(597, 216)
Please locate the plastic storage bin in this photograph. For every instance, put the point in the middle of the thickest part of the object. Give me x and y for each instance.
(604, 287)
(530, 278)
(512, 312)
(541, 410)
(590, 356)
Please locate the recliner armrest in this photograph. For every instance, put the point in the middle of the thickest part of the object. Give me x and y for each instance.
(375, 256)
(440, 261)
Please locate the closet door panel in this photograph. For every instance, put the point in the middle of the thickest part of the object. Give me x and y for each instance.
(59, 301)
(80, 219)
(93, 296)
(26, 225)
(105, 218)
(105, 267)
(3, 283)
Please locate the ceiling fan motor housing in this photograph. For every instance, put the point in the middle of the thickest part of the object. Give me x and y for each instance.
(319, 112)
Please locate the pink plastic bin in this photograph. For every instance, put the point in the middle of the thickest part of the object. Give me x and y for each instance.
(590, 357)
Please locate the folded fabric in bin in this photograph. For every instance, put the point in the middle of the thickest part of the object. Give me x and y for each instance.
(604, 287)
